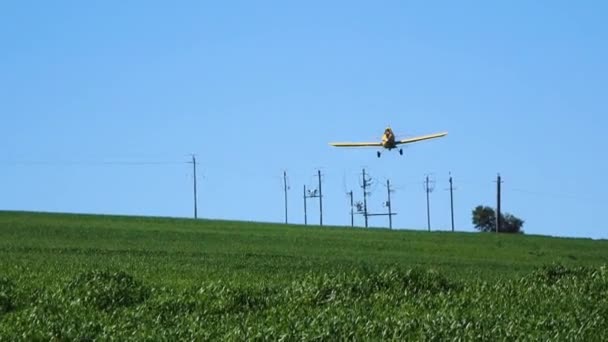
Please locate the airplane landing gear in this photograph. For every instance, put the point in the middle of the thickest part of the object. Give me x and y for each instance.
(378, 154)
(401, 151)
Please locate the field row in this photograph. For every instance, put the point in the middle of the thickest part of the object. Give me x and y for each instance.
(552, 303)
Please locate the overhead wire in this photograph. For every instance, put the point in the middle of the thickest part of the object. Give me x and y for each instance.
(89, 163)
(550, 194)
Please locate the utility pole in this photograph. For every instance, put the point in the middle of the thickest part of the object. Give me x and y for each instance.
(194, 167)
(498, 214)
(305, 197)
(320, 199)
(352, 214)
(366, 214)
(313, 194)
(365, 181)
(452, 202)
(285, 190)
(388, 204)
(428, 188)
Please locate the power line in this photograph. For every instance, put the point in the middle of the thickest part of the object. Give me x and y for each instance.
(550, 194)
(90, 163)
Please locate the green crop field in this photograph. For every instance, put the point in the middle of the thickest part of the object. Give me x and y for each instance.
(82, 277)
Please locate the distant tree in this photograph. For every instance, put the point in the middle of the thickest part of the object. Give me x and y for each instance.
(484, 219)
(511, 224)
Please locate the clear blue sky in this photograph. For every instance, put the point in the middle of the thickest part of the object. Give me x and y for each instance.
(102, 103)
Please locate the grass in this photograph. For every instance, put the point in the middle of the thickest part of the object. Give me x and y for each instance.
(144, 278)
(183, 251)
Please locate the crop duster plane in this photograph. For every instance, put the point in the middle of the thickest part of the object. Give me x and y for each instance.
(388, 141)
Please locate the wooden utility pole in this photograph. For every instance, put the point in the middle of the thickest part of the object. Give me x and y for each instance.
(452, 202)
(320, 199)
(195, 204)
(352, 213)
(428, 189)
(365, 197)
(285, 191)
(314, 194)
(498, 213)
(388, 204)
(305, 214)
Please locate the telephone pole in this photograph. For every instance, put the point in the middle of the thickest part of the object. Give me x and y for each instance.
(363, 211)
(498, 214)
(194, 167)
(352, 214)
(452, 202)
(390, 212)
(365, 183)
(320, 199)
(305, 197)
(314, 194)
(429, 187)
(285, 190)
(388, 204)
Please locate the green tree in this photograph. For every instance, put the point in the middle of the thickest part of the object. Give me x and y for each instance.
(484, 219)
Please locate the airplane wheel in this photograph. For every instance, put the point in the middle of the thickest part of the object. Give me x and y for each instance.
(378, 153)
(401, 151)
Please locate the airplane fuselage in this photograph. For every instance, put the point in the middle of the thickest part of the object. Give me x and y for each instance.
(388, 139)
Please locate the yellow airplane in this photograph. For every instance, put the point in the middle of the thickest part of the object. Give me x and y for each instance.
(388, 141)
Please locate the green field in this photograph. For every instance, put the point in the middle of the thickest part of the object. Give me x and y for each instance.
(69, 277)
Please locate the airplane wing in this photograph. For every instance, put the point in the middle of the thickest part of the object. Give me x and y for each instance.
(420, 138)
(356, 144)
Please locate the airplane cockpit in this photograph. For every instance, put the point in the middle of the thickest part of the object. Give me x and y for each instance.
(388, 136)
